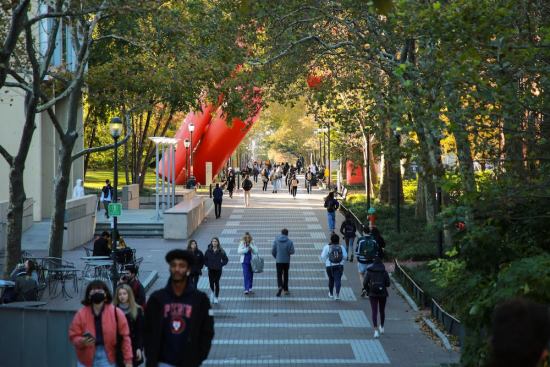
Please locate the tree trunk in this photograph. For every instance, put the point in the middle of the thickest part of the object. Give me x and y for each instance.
(90, 145)
(62, 176)
(420, 205)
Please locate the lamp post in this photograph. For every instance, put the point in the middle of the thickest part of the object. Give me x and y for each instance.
(397, 191)
(191, 129)
(116, 130)
(368, 172)
(156, 140)
(316, 132)
(186, 144)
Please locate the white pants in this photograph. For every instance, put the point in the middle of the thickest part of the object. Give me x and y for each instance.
(246, 198)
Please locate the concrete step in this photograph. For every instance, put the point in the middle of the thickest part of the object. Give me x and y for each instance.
(133, 229)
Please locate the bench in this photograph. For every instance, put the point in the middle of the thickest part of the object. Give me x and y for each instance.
(184, 218)
(341, 195)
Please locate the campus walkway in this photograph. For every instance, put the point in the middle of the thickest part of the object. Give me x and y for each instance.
(305, 328)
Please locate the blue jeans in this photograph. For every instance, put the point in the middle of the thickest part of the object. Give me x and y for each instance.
(349, 243)
(335, 277)
(100, 358)
(331, 220)
(275, 185)
(248, 276)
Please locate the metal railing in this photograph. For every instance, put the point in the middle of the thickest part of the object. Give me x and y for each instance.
(452, 325)
(354, 218)
(417, 292)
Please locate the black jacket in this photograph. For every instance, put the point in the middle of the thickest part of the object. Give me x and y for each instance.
(136, 336)
(215, 261)
(201, 331)
(101, 247)
(198, 264)
(346, 231)
(377, 274)
(333, 204)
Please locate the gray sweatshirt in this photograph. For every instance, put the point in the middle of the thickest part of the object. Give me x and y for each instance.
(283, 247)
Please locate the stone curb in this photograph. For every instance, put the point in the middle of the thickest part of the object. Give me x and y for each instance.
(148, 283)
(442, 336)
(404, 293)
(413, 305)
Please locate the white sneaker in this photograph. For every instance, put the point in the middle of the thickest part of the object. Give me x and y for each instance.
(216, 301)
(337, 297)
(376, 335)
(381, 330)
(330, 295)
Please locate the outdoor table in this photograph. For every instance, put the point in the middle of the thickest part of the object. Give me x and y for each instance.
(25, 304)
(64, 272)
(93, 258)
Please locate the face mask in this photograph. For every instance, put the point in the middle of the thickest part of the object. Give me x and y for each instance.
(97, 297)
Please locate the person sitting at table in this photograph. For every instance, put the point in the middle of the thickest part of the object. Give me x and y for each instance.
(101, 245)
(120, 241)
(134, 284)
(26, 284)
(29, 267)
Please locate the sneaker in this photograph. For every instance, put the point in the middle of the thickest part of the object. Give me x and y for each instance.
(363, 292)
(376, 335)
(216, 301)
(381, 328)
(351, 260)
(330, 295)
(279, 292)
(337, 297)
(245, 292)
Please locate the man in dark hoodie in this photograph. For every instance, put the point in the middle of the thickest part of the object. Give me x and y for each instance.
(283, 247)
(178, 323)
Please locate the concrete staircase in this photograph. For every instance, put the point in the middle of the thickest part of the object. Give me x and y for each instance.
(133, 229)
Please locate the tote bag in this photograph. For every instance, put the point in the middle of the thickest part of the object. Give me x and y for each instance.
(257, 264)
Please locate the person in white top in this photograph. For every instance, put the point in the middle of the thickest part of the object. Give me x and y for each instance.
(334, 261)
(246, 249)
(313, 168)
(78, 190)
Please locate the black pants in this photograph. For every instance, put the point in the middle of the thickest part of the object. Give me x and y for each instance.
(294, 190)
(256, 177)
(282, 275)
(214, 277)
(218, 208)
(195, 279)
(106, 206)
(265, 186)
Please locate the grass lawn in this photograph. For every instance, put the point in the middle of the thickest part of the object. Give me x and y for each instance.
(96, 179)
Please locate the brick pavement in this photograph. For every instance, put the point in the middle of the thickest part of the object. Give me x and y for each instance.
(305, 328)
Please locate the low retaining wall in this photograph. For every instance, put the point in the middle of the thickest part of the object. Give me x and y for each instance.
(28, 219)
(130, 197)
(80, 221)
(184, 218)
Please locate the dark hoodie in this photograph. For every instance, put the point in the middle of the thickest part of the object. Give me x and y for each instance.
(178, 330)
(377, 274)
(283, 247)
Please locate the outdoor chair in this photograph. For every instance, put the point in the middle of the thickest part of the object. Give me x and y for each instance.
(89, 251)
(137, 264)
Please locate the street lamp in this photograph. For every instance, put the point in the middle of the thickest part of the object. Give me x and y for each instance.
(318, 133)
(186, 144)
(116, 130)
(191, 129)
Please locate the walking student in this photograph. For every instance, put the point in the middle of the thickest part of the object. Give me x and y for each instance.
(107, 196)
(135, 285)
(309, 180)
(215, 259)
(217, 195)
(265, 179)
(231, 182)
(179, 324)
(376, 283)
(348, 229)
(246, 249)
(334, 255)
(247, 186)
(365, 250)
(294, 182)
(94, 329)
(198, 262)
(125, 301)
(332, 206)
(283, 247)
(275, 181)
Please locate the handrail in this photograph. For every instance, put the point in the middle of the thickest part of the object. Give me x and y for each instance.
(354, 218)
(452, 324)
(415, 289)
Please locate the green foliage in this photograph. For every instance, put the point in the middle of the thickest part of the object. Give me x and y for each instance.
(414, 242)
(409, 190)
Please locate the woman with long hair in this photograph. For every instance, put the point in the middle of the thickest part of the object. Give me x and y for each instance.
(196, 269)
(215, 259)
(94, 329)
(246, 249)
(265, 179)
(134, 316)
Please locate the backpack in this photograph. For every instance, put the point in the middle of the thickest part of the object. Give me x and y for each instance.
(376, 284)
(294, 182)
(247, 185)
(349, 230)
(135, 289)
(309, 176)
(332, 206)
(368, 248)
(335, 255)
(275, 176)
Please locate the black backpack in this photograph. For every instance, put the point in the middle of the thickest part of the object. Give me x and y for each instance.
(332, 206)
(247, 185)
(335, 254)
(376, 284)
(349, 229)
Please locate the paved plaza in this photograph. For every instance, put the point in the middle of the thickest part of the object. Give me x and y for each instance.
(305, 328)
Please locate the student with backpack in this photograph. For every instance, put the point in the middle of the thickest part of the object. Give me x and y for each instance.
(332, 206)
(294, 182)
(334, 254)
(309, 180)
(247, 186)
(348, 229)
(376, 283)
(366, 251)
